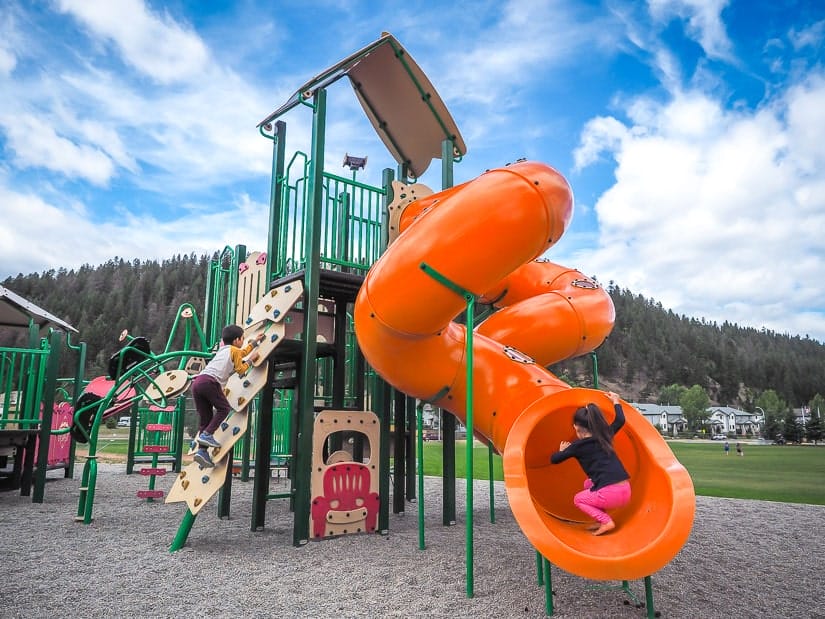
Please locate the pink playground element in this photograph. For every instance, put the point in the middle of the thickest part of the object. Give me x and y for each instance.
(347, 499)
(158, 427)
(60, 444)
(122, 401)
(156, 471)
(150, 494)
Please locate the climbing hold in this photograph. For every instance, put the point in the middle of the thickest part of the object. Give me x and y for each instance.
(267, 307)
(185, 484)
(241, 400)
(224, 425)
(288, 288)
(274, 337)
(235, 431)
(276, 313)
(246, 383)
(198, 502)
(182, 474)
(205, 479)
(249, 320)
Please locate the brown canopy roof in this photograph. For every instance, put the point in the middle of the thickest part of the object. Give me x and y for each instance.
(401, 103)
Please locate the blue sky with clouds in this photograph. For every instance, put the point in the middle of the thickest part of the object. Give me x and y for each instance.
(692, 131)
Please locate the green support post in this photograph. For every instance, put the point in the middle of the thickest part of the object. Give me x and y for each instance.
(312, 274)
(399, 459)
(183, 531)
(77, 388)
(492, 484)
(419, 414)
(263, 449)
(411, 445)
(49, 387)
(276, 195)
(382, 398)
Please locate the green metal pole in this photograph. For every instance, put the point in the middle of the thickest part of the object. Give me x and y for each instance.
(548, 588)
(419, 422)
(76, 389)
(276, 194)
(651, 612)
(595, 370)
(49, 387)
(492, 483)
(470, 299)
(306, 393)
(183, 531)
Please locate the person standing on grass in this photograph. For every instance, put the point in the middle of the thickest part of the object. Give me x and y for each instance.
(207, 388)
(727, 448)
(607, 485)
(739, 449)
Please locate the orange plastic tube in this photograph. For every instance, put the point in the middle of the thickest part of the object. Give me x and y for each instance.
(485, 236)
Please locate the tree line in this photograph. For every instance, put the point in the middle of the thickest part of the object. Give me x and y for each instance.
(650, 350)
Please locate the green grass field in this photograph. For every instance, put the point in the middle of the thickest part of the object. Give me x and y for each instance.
(787, 473)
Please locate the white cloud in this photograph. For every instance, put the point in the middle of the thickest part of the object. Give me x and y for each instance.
(704, 23)
(37, 233)
(154, 44)
(36, 143)
(717, 213)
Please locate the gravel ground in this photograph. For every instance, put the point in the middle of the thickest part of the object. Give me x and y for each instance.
(743, 559)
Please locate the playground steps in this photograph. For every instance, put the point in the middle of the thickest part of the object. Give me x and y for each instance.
(195, 485)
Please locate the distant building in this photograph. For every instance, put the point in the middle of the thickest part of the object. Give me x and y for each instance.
(669, 419)
(728, 420)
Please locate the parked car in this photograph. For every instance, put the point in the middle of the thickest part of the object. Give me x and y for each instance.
(124, 422)
(719, 437)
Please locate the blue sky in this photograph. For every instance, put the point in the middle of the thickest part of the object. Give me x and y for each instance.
(691, 131)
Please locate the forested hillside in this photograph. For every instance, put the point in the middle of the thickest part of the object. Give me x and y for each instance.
(649, 349)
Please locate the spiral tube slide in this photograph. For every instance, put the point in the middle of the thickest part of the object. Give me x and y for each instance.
(485, 236)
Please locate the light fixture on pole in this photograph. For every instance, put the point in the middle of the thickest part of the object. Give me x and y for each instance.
(354, 163)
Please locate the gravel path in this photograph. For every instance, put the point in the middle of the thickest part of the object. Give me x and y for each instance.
(743, 559)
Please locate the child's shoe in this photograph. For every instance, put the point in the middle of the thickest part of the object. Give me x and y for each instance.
(207, 440)
(202, 457)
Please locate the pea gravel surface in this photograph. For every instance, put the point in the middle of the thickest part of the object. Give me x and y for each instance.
(743, 559)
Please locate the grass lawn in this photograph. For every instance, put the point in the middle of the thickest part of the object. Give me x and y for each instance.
(786, 473)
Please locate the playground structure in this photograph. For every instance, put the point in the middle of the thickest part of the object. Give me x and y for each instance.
(325, 233)
(34, 401)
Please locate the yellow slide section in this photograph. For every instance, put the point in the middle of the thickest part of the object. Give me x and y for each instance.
(485, 236)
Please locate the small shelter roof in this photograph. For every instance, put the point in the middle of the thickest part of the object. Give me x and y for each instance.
(15, 311)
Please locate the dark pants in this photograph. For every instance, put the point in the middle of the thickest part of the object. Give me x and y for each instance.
(208, 395)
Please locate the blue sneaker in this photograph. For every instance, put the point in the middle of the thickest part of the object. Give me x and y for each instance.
(202, 457)
(207, 440)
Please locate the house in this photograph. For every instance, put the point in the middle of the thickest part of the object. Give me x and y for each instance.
(728, 420)
(669, 419)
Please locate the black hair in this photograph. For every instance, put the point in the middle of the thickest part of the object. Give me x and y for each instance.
(592, 419)
(231, 333)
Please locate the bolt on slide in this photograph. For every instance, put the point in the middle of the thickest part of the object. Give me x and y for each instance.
(486, 236)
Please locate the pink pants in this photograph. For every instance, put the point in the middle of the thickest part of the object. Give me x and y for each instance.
(595, 504)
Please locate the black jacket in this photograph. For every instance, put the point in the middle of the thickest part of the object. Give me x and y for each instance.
(601, 467)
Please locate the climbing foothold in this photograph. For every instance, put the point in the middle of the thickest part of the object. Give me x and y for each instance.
(198, 502)
(246, 384)
(235, 431)
(182, 474)
(241, 400)
(185, 484)
(249, 320)
(276, 313)
(205, 479)
(288, 288)
(274, 337)
(267, 307)
(224, 425)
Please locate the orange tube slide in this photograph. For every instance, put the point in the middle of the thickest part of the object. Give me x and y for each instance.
(485, 236)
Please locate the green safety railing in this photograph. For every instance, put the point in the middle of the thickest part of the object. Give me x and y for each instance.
(351, 221)
(22, 374)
